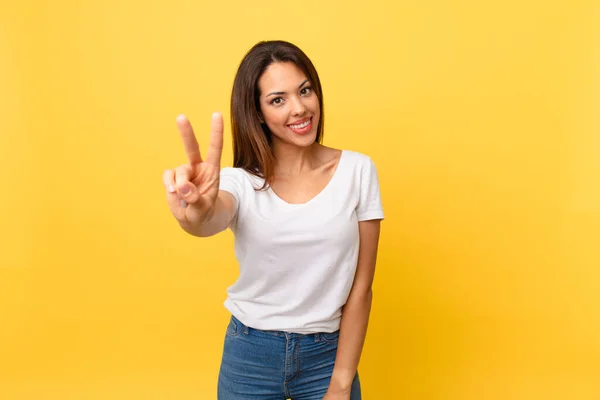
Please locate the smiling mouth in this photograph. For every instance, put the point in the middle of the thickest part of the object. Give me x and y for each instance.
(301, 125)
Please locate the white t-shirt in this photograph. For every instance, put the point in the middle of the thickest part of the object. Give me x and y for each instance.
(297, 261)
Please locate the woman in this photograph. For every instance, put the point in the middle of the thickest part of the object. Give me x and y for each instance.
(306, 222)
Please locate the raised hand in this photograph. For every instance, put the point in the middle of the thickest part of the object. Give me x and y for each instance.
(192, 188)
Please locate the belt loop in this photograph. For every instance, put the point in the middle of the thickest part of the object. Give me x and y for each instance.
(317, 337)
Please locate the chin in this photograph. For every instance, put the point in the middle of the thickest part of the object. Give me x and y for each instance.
(305, 140)
(297, 140)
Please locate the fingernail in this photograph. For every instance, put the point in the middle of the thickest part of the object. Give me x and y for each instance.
(183, 203)
(171, 189)
(181, 118)
(216, 114)
(184, 190)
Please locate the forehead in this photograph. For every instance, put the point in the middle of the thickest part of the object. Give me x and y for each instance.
(281, 76)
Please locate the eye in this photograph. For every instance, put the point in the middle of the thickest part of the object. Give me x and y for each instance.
(277, 101)
(306, 91)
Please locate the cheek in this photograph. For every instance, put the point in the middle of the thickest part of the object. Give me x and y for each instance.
(274, 118)
(314, 104)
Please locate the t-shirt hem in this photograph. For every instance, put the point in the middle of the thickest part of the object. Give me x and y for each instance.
(333, 326)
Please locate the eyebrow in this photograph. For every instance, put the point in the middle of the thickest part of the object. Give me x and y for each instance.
(280, 93)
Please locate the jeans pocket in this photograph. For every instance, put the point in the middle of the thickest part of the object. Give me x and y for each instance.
(330, 337)
(234, 328)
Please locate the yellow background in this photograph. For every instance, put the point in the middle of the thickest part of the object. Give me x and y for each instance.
(483, 120)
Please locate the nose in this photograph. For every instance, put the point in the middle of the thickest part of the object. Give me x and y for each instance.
(298, 107)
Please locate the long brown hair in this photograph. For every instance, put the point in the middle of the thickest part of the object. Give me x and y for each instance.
(251, 138)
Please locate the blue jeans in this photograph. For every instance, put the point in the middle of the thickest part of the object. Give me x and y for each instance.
(272, 365)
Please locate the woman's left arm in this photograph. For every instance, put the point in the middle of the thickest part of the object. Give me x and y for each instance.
(355, 313)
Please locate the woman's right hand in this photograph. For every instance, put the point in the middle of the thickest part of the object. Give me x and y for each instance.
(192, 188)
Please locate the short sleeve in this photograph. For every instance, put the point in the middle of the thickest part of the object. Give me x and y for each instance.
(233, 180)
(369, 204)
(230, 181)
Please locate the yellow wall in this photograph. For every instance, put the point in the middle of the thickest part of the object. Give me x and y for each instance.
(482, 117)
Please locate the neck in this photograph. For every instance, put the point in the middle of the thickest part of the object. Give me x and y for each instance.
(292, 160)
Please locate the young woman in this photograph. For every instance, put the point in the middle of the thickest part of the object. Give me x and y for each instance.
(306, 222)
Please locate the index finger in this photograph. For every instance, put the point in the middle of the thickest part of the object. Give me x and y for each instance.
(190, 144)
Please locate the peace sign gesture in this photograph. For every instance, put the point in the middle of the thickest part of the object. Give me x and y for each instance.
(192, 188)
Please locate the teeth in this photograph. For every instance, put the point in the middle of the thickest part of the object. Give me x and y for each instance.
(303, 125)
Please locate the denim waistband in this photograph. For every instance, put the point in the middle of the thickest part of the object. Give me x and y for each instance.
(289, 335)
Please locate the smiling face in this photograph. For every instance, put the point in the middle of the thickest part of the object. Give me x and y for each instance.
(289, 106)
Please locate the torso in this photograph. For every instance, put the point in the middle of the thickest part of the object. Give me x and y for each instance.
(298, 259)
(301, 188)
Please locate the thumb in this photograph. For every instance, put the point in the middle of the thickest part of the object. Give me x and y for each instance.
(188, 192)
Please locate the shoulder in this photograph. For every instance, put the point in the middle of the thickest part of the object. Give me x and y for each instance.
(233, 172)
(356, 160)
(350, 157)
(241, 177)
(355, 155)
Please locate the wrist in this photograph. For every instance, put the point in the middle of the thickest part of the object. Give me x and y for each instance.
(341, 381)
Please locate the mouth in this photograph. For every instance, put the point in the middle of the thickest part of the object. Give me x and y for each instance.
(302, 127)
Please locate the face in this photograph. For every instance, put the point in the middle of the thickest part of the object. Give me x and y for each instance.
(289, 106)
